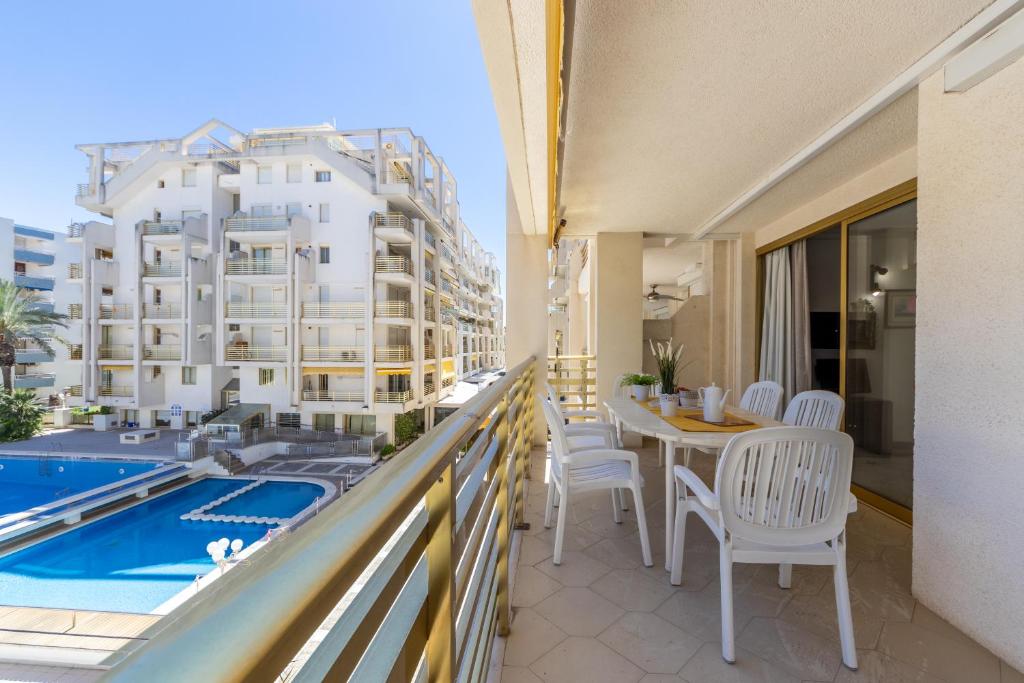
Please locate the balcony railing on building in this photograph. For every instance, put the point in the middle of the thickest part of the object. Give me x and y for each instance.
(161, 352)
(256, 266)
(116, 352)
(75, 390)
(334, 354)
(393, 264)
(165, 269)
(335, 396)
(83, 190)
(392, 219)
(243, 352)
(34, 380)
(75, 271)
(75, 311)
(429, 352)
(162, 227)
(381, 396)
(116, 311)
(430, 239)
(393, 309)
(447, 381)
(117, 390)
(237, 309)
(397, 353)
(163, 311)
(75, 351)
(428, 388)
(429, 314)
(333, 309)
(256, 223)
(574, 378)
(76, 230)
(33, 282)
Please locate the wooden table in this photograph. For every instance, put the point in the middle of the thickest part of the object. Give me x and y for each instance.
(629, 415)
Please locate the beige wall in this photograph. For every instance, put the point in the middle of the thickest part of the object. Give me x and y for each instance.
(689, 326)
(969, 462)
(618, 289)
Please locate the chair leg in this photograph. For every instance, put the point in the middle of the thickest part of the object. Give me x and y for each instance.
(641, 522)
(843, 610)
(728, 633)
(785, 575)
(679, 539)
(616, 515)
(560, 528)
(623, 500)
(549, 505)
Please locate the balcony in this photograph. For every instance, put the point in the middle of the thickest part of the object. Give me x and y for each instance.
(161, 311)
(393, 309)
(75, 352)
(168, 269)
(34, 380)
(75, 311)
(447, 382)
(116, 352)
(429, 351)
(393, 354)
(238, 309)
(333, 396)
(75, 271)
(161, 352)
(256, 223)
(351, 310)
(394, 265)
(429, 277)
(242, 352)
(334, 354)
(428, 388)
(76, 230)
(31, 354)
(75, 390)
(392, 396)
(393, 227)
(162, 228)
(256, 266)
(41, 306)
(430, 240)
(28, 255)
(429, 314)
(116, 312)
(117, 391)
(34, 282)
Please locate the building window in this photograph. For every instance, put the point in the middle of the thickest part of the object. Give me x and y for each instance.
(266, 376)
(293, 209)
(289, 420)
(264, 175)
(188, 177)
(294, 173)
(325, 213)
(188, 374)
(322, 177)
(160, 184)
(234, 327)
(325, 254)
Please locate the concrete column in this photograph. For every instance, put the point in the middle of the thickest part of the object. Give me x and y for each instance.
(618, 307)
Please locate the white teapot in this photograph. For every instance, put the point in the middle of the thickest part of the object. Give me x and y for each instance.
(714, 402)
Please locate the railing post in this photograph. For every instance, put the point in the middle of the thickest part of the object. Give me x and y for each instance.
(440, 504)
(501, 503)
(522, 401)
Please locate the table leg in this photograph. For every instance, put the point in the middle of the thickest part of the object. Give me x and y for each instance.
(670, 500)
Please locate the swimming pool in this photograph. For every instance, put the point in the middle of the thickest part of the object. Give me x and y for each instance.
(134, 560)
(28, 482)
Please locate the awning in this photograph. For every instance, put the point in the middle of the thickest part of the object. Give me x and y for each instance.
(429, 367)
(347, 372)
(448, 367)
(394, 371)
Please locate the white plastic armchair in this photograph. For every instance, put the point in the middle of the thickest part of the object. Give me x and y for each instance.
(820, 409)
(781, 496)
(574, 471)
(763, 398)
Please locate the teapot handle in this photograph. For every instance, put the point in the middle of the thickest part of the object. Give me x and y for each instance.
(700, 393)
(725, 396)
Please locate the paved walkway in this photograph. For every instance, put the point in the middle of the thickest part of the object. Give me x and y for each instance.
(88, 442)
(601, 616)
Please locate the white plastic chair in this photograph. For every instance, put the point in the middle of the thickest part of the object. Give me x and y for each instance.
(781, 496)
(820, 409)
(576, 470)
(763, 398)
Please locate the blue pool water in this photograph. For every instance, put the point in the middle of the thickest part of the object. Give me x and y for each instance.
(271, 499)
(27, 482)
(132, 561)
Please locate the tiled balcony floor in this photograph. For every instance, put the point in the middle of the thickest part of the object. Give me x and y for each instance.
(602, 616)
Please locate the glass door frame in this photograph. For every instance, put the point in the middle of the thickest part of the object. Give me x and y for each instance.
(900, 194)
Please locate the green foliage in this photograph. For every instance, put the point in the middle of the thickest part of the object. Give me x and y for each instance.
(406, 428)
(92, 410)
(388, 450)
(20, 320)
(642, 380)
(21, 415)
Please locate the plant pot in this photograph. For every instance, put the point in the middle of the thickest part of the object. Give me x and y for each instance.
(668, 404)
(689, 399)
(641, 392)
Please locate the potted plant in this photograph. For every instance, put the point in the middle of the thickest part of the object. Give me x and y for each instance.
(669, 365)
(103, 419)
(640, 385)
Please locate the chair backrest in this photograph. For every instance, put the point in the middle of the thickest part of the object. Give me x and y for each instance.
(553, 396)
(763, 398)
(559, 442)
(821, 409)
(785, 485)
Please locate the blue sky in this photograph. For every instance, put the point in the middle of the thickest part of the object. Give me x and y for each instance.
(77, 72)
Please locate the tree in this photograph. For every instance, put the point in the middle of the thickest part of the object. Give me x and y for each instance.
(21, 415)
(20, 319)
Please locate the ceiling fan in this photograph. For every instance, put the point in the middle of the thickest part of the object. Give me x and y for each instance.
(653, 295)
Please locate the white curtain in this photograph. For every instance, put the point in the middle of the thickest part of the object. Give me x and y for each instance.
(801, 319)
(777, 322)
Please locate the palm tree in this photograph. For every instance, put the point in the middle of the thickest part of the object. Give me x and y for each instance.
(20, 319)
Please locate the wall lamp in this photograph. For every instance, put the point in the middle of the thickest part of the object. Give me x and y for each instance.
(876, 270)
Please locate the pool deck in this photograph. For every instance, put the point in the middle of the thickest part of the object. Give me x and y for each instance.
(72, 442)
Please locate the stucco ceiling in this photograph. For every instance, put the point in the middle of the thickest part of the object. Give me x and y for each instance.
(673, 109)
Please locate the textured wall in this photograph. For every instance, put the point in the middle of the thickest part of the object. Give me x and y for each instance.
(619, 324)
(969, 461)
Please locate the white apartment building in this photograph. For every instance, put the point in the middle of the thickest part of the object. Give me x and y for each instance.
(326, 274)
(35, 260)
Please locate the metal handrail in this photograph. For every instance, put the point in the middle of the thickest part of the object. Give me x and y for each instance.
(74, 352)
(393, 309)
(333, 309)
(75, 271)
(393, 264)
(75, 230)
(398, 353)
(258, 353)
(237, 309)
(256, 223)
(167, 269)
(117, 391)
(162, 227)
(339, 396)
(116, 352)
(392, 219)
(115, 311)
(83, 190)
(166, 311)
(336, 354)
(161, 352)
(392, 396)
(75, 311)
(257, 266)
(75, 390)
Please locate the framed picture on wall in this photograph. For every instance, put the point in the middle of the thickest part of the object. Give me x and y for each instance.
(901, 308)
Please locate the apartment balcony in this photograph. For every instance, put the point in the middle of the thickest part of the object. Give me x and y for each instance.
(31, 354)
(429, 314)
(334, 354)
(40, 283)
(333, 396)
(429, 352)
(393, 309)
(447, 381)
(161, 311)
(76, 230)
(29, 255)
(397, 267)
(343, 310)
(75, 271)
(239, 309)
(256, 266)
(41, 306)
(116, 352)
(75, 390)
(171, 231)
(166, 269)
(428, 388)
(75, 352)
(121, 312)
(117, 391)
(75, 311)
(381, 396)
(431, 241)
(243, 352)
(256, 223)
(393, 354)
(392, 226)
(161, 352)
(34, 380)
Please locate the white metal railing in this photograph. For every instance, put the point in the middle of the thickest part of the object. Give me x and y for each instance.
(333, 309)
(75, 351)
(83, 190)
(166, 269)
(381, 396)
(162, 227)
(393, 309)
(116, 311)
(334, 354)
(256, 223)
(338, 396)
(393, 264)
(237, 309)
(161, 352)
(392, 219)
(75, 311)
(116, 352)
(165, 311)
(75, 390)
(76, 230)
(397, 353)
(257, 266)
(241, 352)
(74, 271)
(115, 390)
